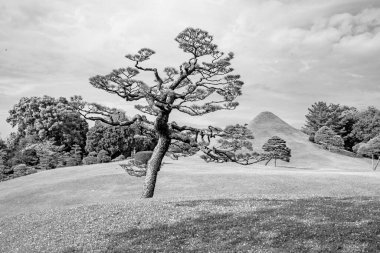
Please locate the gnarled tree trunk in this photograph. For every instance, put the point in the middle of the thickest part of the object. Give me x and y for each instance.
(161, 126)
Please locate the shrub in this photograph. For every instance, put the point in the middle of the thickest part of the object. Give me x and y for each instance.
(19, 170)
(71, 161)
(312, 137)
(103, 157)
(356, 148)
(142, 157)
(90, 160)
(326, 136)
(22, 170)
(30, 157)
(119, 158)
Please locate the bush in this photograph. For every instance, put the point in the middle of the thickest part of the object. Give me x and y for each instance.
(103, 157)
(71, 161)
(312, 138)
(22, 170)
(338, 141)
(30, 157)
(142, 157)
(119, 158)
(328, 138)
(356, 148)
(19, 170)
(90, 160)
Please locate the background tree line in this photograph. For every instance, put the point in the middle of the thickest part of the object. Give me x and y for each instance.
(50, 134)
(344, 127)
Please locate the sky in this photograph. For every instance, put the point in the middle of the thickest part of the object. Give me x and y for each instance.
(289, 53)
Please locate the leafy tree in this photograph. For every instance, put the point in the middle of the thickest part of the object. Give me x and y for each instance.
(345, 128)
(371, 149)
(201, 85)
(337, 141)
(103, 157)
(276, 149)
(77, 154)
(367, 125)
(30, 157)
(320, 114)
(62, 159)
(326, 136)
(48, 154)
(90, 159)
(48, 119)
(2, 164)
(118, 140)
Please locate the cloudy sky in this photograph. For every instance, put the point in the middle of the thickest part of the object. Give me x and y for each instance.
(290, 53)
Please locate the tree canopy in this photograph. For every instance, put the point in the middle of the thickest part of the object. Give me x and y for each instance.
(367, 125)
(321, 114)
(47, 118)
(119, 140)
(371, 149)
(326, 136)
(276, 149)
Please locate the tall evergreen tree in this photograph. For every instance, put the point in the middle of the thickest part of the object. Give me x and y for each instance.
(320, 114)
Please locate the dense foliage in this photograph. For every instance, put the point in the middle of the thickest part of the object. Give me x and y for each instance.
(276, 149)
(320, 114)
(352, 125)
(327, 137)
(47, 118)
(119, 140)
(371, 149)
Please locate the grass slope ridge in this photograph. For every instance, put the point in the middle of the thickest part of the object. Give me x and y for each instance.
(304, 153)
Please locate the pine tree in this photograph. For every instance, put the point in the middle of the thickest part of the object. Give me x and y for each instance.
(203, 84)
(276, 149)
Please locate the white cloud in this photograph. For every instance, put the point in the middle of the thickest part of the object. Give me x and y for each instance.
(303, 51)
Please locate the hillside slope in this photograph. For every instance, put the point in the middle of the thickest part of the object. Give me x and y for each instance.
(304, 153)
(187, 178)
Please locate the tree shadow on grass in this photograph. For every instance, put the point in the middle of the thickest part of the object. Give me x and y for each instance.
(310, 225)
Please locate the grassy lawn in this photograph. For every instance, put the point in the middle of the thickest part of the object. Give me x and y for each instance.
(219, 225)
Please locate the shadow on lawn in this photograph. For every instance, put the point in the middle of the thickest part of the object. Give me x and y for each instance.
(310, 225)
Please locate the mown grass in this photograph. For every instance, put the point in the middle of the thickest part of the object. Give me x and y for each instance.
(223, 225)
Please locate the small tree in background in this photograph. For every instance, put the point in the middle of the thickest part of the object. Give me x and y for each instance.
(327, 137)
(90, 158)
(371, 149)
(103, 157)
(276, 149)
(77, 154)
(367, 125)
